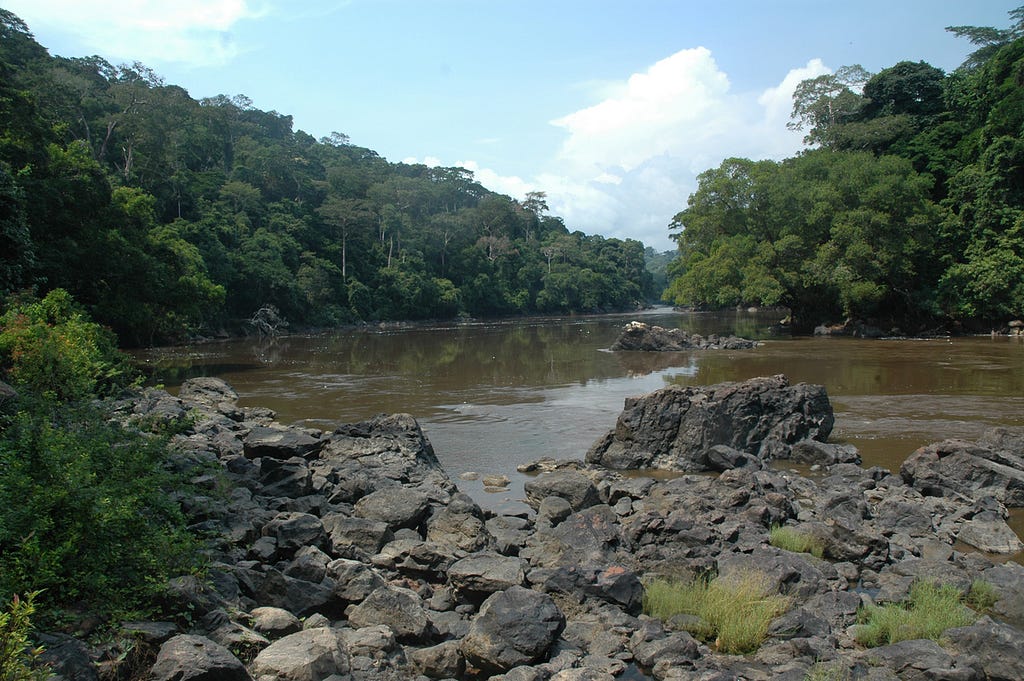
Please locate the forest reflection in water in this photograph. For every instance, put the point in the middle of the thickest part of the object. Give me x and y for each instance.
(493, 395)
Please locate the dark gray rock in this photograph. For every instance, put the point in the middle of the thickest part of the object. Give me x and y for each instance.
(293, 531)
(823, 453)
(399, 609)
(212, 393)
(589, 537)
(280, 443)
(673, 428)
(486, 573)
(997, 649)
(460, 526)
(395, 506)
(356, 538)
(515, 627)
(196, 658)
(67, 658)
(353, 580)
(290, 478)
(954, 468)
(572, 486)
(309, 655)
(295, 595)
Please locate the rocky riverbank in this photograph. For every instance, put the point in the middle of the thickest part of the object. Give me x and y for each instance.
(350, 555)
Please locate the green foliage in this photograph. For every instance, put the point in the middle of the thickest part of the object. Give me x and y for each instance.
(85, 511)
(981, 596)
(18, 658)
(792, 539)
(930, 610)
(829, 671)
(735, 610)
(50, 347)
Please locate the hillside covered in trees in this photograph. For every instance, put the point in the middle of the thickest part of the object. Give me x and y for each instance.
(165, 215)
(907, 208)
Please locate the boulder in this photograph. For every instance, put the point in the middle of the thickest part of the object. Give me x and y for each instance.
(274, 622)
(443, 661)
(399, 609)
(675, 427)
(998, 649)
(293, 531)
(589, 537)
(212, 393)
(641, 336)
(285, 477)
(187, 657)
(357, 538)
(395, 506)
(280, 443)
(572, 486)
(973, 470)
(309, 655)
(486, 573)
(515, 627)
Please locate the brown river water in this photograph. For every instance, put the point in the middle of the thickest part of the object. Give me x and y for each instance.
(492, 395)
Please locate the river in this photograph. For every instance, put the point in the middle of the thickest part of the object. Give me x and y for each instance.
(492, 395)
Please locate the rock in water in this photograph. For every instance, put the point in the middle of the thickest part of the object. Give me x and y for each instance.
(674, 428)
(640, 336)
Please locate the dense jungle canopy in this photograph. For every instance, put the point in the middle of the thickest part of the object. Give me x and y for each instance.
(907, 207)
(164, 215)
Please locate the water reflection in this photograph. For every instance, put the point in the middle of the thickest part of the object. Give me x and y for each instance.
(493, 395)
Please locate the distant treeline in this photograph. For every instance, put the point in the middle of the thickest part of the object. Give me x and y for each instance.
(908, 209)
(165, 216)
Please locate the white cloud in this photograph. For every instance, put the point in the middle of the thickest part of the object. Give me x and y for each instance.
(182, 31)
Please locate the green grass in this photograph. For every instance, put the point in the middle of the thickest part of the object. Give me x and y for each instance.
(736, 609)
(931, 609)
(792, 539)
(826, 671)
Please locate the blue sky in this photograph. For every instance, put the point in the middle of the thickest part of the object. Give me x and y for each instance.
(611, 108)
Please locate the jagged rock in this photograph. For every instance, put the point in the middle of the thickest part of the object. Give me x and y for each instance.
(241, 641)
(443, 661)
(292, 531)
(395, 506)
(290, 478)
(67, 659)
(515, 627)
(280, 443)
(400, 609)
(357, 538)
(295, 595)
(374, 641)
(973, 470)
(309, 655)
(987, 531)
(486, 573)
(589, 537)
(997, 649)
(917, 659)
(353, 580)
(309, 564)
(1008, 580)
(460, 526)
(187, 657)
(572, 486)
(614, 584)
(673, 428)
(274, 622)
(641, 336)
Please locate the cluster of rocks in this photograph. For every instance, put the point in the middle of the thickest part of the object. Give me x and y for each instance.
(641, 336)
(351, 556)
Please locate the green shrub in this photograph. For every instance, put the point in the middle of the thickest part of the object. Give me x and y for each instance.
(930, 610)
(792, 539)
(825, 671)
(735, 610)
(85, 510)
(982, 596)
(18, 659)
(50, 347)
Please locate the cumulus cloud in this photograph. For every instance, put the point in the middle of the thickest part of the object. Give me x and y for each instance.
(183, 31)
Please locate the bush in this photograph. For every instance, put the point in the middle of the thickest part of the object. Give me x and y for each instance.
(930, 610)
(85, 511)
(50, 347)
(735, 610)
(792, 539)
(17, 657)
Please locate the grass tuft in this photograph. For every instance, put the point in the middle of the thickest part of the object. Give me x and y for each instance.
(931, 609)
(792, 539)
(735, 611)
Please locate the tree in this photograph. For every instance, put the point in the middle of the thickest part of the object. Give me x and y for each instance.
(989, 39)
(342, 215)
(820, 104)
